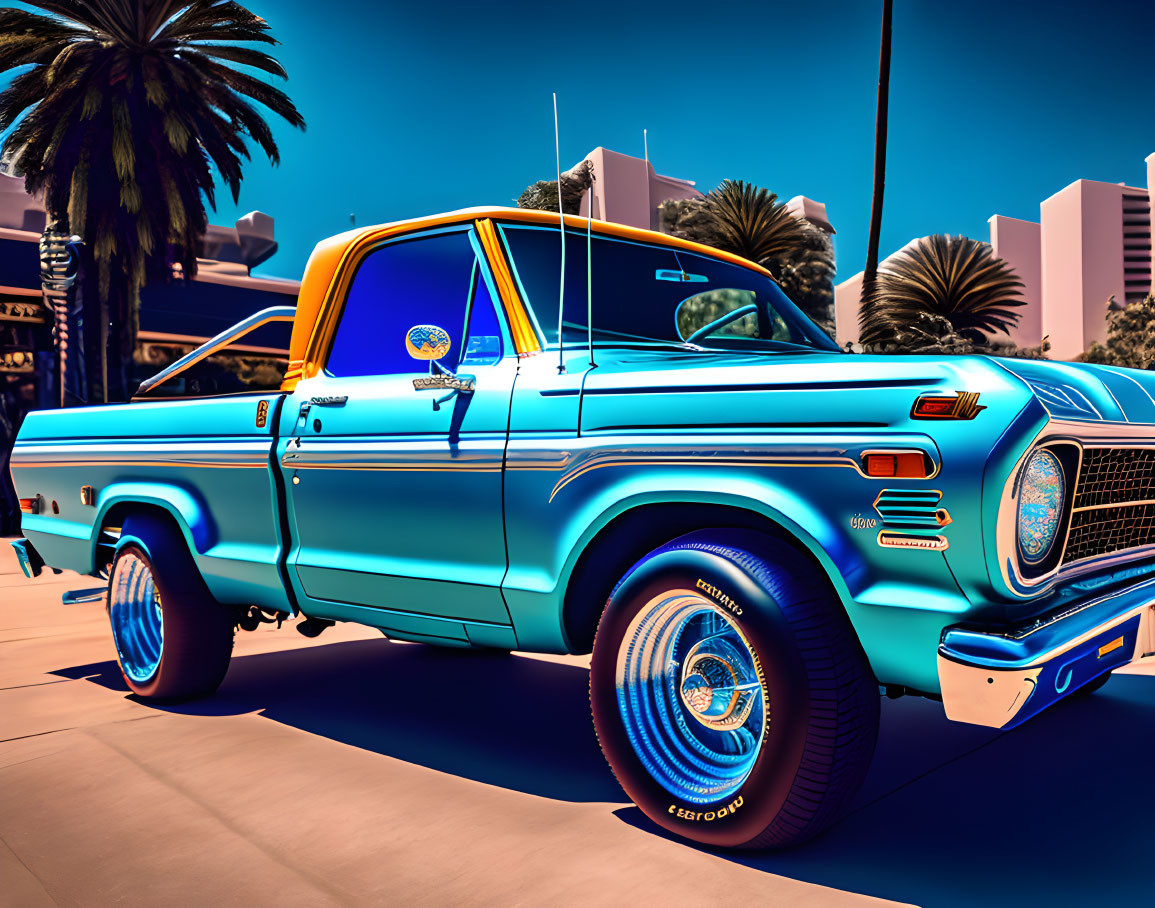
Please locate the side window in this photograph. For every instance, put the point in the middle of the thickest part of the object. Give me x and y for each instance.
(482, 333)
(732, 313)
(729, 313)
(430, 280)
(255, 362)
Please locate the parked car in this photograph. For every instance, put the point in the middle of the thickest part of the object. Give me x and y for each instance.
(654, 457)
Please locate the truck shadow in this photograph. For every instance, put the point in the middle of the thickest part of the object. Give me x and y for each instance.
(506, 720)
(1056, 812)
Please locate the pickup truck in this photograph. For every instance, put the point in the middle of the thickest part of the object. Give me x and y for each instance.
(493, 431)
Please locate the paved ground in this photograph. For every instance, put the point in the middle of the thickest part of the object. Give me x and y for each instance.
(352, 770)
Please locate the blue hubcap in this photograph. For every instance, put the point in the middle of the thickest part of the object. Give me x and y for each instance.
(137, 626)
(690, 696)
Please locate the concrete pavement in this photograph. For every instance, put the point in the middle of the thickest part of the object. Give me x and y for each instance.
(353, 770)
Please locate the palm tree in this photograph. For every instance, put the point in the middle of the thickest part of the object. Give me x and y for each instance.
(952, 277)
(126, 106)
(750, 221)
(880, 124)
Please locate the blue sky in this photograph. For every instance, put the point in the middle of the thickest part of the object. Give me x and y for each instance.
(422, 107)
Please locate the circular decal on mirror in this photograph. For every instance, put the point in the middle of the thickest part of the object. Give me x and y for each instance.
(427, 342)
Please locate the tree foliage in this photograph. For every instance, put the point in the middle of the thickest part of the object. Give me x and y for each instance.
(955, 278)
(1130, 336)
(752, 223)
(806, 274)
(749, 221)
(122, 111)
(542, 195)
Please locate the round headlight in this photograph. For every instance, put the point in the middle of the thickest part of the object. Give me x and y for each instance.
(1040, 505)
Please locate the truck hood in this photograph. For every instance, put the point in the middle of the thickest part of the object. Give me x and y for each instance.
(632, 389)
(1088, 392)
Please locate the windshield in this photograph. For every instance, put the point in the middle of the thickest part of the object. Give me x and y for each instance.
(654, 295)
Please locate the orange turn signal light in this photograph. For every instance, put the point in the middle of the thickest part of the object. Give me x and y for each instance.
(896, 464)
(30, 505)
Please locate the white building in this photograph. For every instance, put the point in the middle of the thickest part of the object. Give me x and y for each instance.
(1092, 242)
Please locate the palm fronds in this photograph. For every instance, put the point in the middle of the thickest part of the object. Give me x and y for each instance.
(752, 223)
(954, 277)
(125, 109)
(749, 221)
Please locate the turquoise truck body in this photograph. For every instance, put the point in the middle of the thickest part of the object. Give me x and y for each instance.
(501, 521)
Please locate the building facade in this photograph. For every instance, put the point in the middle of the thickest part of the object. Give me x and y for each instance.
(627, 190)
(1091, 244)
(174, 317)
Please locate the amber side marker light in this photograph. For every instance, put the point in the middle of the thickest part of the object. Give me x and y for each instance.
(1110, 647)
(30, 505)
(896, 464)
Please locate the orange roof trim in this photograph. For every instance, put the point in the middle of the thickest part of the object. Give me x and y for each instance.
(331, 266)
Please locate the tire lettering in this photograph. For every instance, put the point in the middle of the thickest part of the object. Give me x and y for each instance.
(696, 817)
(718, 595)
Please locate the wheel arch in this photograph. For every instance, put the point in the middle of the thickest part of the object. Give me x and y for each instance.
(623, 538)
(177, 506)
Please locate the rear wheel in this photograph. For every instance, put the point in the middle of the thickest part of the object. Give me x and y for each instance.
(173, 639)
(730, 694)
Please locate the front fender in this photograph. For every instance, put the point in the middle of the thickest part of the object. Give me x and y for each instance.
(542, 563)
(794, 514)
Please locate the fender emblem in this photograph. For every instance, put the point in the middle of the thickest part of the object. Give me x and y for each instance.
(960, 405)
(262, 413)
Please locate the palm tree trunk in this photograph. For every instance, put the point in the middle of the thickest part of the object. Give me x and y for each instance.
(104, 348)
(871, 270)
(56, 284)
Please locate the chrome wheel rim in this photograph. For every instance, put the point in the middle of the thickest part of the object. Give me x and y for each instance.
(691, 697)
(135, 611)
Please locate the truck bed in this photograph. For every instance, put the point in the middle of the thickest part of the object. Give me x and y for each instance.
(205, 461)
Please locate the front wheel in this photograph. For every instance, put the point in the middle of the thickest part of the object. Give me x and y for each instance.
(730, 694)
(173, 639)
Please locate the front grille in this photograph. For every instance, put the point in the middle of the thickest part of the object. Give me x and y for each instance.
(1104, 531)
(1115, 476)
(1114, 503)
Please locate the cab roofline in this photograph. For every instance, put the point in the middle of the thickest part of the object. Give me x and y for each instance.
(541, 218)
(335, 257)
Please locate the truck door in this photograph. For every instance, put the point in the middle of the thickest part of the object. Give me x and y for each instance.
(393, 466)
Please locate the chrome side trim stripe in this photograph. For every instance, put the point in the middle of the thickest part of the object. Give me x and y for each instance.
(674, 461)
(231, 455)
(120, 462)
(444, 466)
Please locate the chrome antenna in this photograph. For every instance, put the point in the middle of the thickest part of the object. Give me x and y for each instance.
(590, 268)
(646, 146)
(561, 223)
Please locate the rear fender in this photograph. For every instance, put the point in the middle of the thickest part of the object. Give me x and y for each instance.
(187, 511)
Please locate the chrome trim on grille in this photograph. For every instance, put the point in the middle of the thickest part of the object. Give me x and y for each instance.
(1085, 436)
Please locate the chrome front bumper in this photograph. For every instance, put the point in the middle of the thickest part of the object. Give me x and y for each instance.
(1002, 679)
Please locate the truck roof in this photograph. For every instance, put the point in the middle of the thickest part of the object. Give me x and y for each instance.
(334, 258)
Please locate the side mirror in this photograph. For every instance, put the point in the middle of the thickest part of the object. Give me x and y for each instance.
(427, 342)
